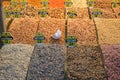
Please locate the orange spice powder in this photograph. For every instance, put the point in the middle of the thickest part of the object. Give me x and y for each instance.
(56, 3)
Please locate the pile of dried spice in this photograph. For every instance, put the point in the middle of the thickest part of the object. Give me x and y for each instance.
(85, 63)
(112, 61)
(14, 61)
(49, 26)
(56, 13)
(23, 30)
(56, 3)
(84, 30)
(79, 3)
(108, 30)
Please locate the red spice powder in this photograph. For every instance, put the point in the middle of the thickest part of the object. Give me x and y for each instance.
(56, 3)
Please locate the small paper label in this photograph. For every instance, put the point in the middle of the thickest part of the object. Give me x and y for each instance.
(68, 3)
(23, 3)
(39, 38)
(115, 3)
(6, 38)
(44, 3)
(72, 14)
(71, 41)
(97, 12)
(43, 13)
(90, 3)
(7, 13)
(14, 3)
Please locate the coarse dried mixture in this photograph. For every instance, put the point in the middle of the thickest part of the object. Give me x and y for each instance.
(35, 3)
(79, 3)
(14, 61)
(48, 27)
(85, 63)
(47, 63)
(56, 13)
(81, 12)
(103, 1)
(23, 30)
(108, 30)
(112, 61)
(84, 30)
(102, 5)
(29, 11)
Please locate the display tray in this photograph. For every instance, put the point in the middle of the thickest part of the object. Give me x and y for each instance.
(23, 30)
(84, 30)
(108, 31)
(112, 59)
(85, 63)
(48, 27)
(14, 61)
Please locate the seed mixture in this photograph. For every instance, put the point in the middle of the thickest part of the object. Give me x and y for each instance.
(14, 61)
(84, 30)
(112, 61)
(47, 63)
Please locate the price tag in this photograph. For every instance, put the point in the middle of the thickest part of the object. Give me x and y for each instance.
(39, 38)
(43, 13)
(16, 14)
(23, 3)
(68, 3)
(97, 12)
(72, 14)
(115, 3)
(7, 13)
(44, 3)
(90, 3)
(71, 41)
(6, 38)
(14, 3)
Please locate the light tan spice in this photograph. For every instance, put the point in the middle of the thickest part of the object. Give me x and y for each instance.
(108, 30)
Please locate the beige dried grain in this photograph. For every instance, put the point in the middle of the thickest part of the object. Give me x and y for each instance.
(84, 30)
(108, 30)
(79, 3)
